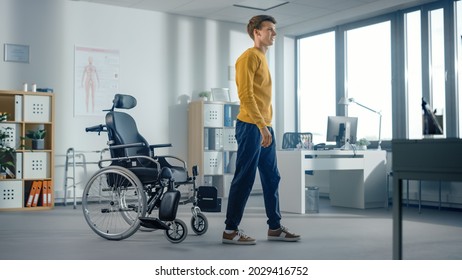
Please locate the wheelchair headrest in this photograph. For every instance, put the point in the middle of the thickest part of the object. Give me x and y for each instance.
(123, 101)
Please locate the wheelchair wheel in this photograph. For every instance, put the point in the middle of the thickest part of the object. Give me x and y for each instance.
(177, 231)
(112, 202)
(199, 223)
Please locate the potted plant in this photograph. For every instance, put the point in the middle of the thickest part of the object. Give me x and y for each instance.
(6, 152)
(204, 95)
(363, 143)
(37, 137)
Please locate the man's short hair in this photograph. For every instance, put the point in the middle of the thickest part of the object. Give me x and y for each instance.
(256, 21)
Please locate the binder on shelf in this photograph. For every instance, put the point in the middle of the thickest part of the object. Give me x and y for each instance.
(225, 162)
(218, 139)
(228, 121)
(206, 138)
(214, 136)
(32, 192)
(49, 194)
(18, 166)
(37, 193)
(45, 193)
(18, 108)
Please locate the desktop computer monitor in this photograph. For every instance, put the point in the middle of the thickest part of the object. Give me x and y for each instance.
(341, 130)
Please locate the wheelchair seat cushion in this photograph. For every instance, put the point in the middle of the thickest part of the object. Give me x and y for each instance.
(145, 174)
(179, 174)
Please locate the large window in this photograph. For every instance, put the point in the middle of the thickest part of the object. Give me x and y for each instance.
(414, 74)
(316, 84)
(432, 87)
(387, 64)
(368, 78)
(437, 68)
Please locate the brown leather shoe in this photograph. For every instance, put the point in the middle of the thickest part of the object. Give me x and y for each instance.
(282, 234)
(238, 237)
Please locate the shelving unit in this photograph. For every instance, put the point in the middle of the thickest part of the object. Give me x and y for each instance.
(27, 111)
(212, 144)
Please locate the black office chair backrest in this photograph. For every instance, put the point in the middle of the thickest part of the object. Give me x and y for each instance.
(291, 139)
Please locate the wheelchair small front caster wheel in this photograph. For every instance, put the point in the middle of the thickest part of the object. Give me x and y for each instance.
(177, 231)
(199, 223)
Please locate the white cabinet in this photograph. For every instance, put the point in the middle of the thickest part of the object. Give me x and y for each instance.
(212, 143)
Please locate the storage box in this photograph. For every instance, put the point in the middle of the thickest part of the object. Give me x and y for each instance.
(213, 115)
(12, 130)
(37, 108)
(213, 163)
(36, 165)
(11, 195)
(229, 139)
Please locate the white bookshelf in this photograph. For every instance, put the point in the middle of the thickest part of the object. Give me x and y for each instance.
(27, 111)
(212, 143)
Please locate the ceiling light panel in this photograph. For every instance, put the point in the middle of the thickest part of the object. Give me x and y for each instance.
(262, 5)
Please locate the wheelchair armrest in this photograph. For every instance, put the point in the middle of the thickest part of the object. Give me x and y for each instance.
(153, 160)
(173, 157)
(152, 147)
(123, 146)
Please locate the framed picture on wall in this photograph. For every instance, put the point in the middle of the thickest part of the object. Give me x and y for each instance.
(16, 53)
(220, 94)
(96, 80)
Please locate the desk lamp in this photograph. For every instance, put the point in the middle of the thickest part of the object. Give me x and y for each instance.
(348, 101)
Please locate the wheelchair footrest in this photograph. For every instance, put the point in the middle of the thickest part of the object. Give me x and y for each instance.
(150, 222)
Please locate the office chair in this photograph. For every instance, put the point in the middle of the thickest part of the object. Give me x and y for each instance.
(290, 140)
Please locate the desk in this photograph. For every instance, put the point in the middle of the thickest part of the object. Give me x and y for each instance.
(426, 159)
(357, 179)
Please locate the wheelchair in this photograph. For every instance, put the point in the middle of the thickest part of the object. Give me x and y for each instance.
(129, 186)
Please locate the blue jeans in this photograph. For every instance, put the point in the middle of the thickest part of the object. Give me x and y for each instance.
(250, 156)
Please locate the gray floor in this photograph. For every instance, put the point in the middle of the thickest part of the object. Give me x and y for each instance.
(332, 234)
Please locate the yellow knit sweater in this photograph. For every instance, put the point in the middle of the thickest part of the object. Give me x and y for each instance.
(253, 81)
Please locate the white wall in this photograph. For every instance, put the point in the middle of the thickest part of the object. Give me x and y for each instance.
(164, 60)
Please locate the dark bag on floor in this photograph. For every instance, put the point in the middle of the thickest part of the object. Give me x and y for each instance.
(207, 199)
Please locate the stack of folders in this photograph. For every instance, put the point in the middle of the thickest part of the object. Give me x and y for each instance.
(40, 194)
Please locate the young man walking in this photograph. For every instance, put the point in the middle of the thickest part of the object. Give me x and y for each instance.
(255, 138)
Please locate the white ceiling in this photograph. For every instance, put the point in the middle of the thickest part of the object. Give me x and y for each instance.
(294, 14)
